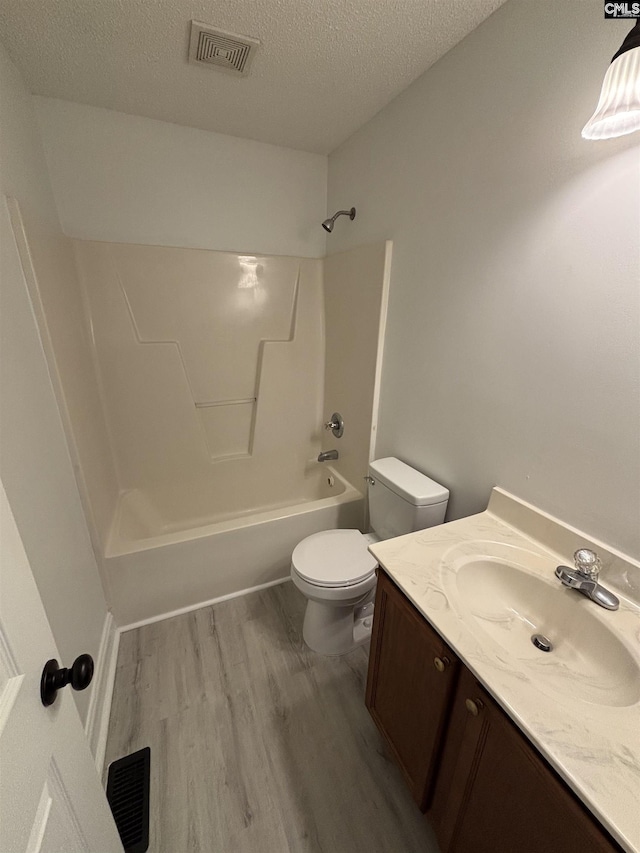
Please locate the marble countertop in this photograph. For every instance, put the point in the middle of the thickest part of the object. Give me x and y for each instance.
(594, 746)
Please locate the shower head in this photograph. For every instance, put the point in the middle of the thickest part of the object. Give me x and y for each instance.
(328, 223)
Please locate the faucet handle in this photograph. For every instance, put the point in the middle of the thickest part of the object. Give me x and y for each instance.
(588, 563)
(336, 424)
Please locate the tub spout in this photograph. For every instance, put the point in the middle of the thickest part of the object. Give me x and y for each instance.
(327, 455)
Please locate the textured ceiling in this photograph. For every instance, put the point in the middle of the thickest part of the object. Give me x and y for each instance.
(324, 67)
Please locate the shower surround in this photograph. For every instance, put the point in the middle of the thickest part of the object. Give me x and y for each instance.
(210, 368)
(208, 363)
(193, 386)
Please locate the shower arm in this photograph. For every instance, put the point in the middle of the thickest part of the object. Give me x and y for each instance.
(329, 223)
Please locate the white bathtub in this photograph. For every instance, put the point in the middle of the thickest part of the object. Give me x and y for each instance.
(172, 551)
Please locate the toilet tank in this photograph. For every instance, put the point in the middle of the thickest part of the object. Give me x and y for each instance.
(402, 499)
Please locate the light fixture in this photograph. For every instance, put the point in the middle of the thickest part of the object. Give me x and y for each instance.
(618, 110)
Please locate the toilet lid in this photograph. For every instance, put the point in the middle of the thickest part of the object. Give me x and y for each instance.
(334, 558)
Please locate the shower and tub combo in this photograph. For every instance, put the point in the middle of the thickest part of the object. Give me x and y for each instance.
(195, 485)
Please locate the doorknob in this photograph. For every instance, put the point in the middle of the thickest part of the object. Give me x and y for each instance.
(54, 677)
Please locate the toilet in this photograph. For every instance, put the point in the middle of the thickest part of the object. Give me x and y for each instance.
(336, 572)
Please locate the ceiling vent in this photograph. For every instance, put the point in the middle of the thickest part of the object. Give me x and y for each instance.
(227, 51)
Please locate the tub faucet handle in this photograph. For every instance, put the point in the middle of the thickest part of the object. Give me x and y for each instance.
(336, 424)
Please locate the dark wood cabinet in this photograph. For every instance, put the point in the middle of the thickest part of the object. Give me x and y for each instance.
(485, 788)
(410, 686)
(496, 793)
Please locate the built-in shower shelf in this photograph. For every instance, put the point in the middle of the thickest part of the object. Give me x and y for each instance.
(228, 426)
(208, 404)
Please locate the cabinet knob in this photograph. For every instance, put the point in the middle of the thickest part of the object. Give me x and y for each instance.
(441, 663)
(474, 706)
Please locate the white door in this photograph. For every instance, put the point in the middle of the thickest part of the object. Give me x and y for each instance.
(51, 799)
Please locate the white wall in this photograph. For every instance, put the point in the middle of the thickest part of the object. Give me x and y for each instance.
(35, 464)
(512, 353)
(129, 179)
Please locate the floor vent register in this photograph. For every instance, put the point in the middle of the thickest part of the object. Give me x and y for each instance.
(128, 796)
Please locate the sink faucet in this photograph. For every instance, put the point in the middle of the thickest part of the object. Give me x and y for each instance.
(584, 578)
(326, 455)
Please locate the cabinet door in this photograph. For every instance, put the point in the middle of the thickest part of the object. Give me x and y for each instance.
(496, 793)
(410, 686)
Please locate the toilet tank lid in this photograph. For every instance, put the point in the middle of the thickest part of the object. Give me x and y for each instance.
(414, 487)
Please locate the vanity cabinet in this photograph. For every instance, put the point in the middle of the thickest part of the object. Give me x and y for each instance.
(485, 788)
(410, 686)
(495, 792)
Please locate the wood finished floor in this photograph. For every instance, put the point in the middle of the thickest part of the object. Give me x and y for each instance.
(257, 743)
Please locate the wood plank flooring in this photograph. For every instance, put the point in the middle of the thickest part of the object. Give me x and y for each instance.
(257, 743)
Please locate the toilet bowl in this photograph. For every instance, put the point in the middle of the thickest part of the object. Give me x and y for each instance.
(337, 574)
(335, 571)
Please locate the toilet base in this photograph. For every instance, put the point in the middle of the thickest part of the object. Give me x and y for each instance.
(331, 630)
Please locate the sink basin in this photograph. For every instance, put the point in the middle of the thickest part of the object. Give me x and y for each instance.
(503, 601)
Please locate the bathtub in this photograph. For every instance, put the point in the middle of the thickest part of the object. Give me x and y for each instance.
(169, 552)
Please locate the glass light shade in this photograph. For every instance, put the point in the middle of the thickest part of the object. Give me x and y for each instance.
(618, 110)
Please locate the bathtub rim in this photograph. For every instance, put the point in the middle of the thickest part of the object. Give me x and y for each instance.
(116, 546)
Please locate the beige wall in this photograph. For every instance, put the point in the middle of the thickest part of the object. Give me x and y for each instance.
(35, 463)
(513, 346)
(356, 288)
(129, 179)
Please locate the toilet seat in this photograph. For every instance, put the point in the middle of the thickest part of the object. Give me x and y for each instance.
(334, 558)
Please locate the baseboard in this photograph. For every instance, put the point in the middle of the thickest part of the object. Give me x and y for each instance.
(208, 603)
(97, 724)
